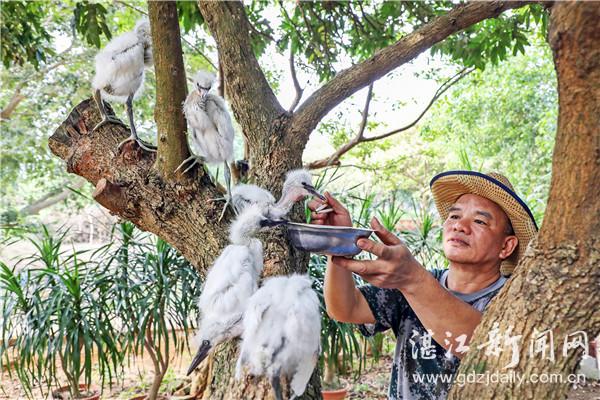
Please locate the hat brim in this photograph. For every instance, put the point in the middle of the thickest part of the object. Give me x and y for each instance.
(448, 186)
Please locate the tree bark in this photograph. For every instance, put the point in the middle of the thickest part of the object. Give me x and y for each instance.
(559, 277)
(129, 186)
(264, 123)
(171, 87)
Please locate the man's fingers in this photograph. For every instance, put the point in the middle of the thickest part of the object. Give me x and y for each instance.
(379, 249)
(336, 205)
(358, 267)
(314, 204)
(386, 236)
(317, 219)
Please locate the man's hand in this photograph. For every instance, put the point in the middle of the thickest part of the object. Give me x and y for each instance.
(338, 217)
(395, 267)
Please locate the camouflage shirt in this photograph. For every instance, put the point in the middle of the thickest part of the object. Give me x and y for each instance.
(422, 369)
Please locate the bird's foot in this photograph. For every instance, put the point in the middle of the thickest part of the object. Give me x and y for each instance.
(228, 203)
(194, 159)
(145, 146)
(109, 119)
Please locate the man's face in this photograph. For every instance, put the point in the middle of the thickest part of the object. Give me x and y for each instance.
(476, 232)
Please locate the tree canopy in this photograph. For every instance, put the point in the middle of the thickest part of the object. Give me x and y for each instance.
(323, 39)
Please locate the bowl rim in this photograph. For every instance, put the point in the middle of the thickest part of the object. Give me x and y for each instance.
(329, 227)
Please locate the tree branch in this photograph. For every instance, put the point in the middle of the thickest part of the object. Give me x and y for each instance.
(254, 104)
(14, 101)
(51, 198)
(347, 82)
(17, 97)
(297, 87)
(171, 87)
(334, 159)
(182, 213)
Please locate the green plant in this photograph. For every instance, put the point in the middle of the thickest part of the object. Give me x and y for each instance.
(341, 350)
(60, 312)
(155, 291)
(425, 241)
(55, 313)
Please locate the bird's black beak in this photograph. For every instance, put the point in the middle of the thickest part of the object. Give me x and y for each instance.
(270, 223)
(311, 189)
(200, 355)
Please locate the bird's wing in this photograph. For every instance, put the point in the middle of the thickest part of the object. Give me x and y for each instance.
(121, 58)
(229, 270)
(228, 286)
(216, 108)
(302, 374)
(262, 332)
(302, 329)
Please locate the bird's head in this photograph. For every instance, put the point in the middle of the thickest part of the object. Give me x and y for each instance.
(142, 30)
(298, 185)
(203, 82)
(249, 222)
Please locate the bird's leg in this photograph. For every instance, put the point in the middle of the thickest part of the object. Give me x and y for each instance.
(105, 117)
(133, 135)
(195, 160)
(227, 176)
(276, 384)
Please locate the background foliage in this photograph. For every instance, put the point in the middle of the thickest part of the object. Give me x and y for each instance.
(496, 118)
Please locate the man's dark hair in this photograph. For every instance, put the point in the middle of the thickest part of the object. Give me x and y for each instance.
(508, 229)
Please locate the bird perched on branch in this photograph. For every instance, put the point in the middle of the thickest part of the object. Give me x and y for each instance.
(282, 328)
(230, 282)
(211, 129)
(120, 75)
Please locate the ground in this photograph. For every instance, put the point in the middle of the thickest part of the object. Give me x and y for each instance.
(371, 385)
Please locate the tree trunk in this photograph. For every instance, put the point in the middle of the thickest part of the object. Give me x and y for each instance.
(559, 278)
(171, 86)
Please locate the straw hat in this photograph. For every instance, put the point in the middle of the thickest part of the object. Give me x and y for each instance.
(447, 187)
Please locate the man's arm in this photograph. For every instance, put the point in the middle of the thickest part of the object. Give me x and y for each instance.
(440, 311)
(343, 300)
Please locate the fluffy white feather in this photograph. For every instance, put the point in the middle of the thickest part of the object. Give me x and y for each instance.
(281, 332)
(210, 124)
(231, 281)
(120, 65)
(297, 185)
(244, 195)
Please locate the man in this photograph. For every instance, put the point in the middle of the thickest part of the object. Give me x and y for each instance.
(485, 232)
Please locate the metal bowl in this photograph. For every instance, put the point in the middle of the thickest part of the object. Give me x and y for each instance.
(326, 239)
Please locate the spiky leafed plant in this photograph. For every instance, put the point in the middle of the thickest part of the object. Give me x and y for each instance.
(155, 291)
(55, 314)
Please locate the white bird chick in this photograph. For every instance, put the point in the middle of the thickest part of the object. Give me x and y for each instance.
(120, 75)
(211, 129)
(243, 195)
(297, 186)
(229, 284)
(282, 328)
